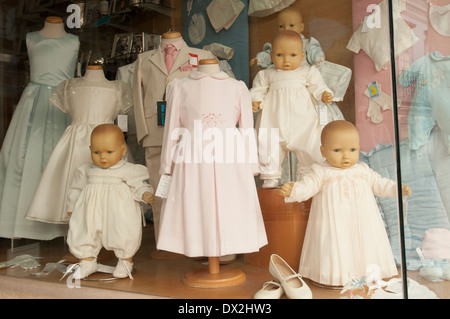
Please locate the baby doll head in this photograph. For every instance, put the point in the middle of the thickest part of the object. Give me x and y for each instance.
(340, 144)
(290, 19)
(287, 50)
(107, 145)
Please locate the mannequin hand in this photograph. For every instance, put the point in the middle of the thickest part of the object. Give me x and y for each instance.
(286, 189)
(255, 106)
(406, 190)
(327, 97)
(69, 213)
(148, 198)
(253, 62)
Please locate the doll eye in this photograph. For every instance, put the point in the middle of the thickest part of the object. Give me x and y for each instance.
(292, 25)
(353, 149)
(278, 54)
(96, 152)
(336, 150)
(293, 54)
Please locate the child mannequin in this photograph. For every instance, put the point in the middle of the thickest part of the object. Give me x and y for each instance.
(284, 95)
(345, 230)
(291, 19)
(115, 187)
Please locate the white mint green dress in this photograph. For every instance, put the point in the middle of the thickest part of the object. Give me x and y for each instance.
(34, 131)
(345, 231)
(89, 104)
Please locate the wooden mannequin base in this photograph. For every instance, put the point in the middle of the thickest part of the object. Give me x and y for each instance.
(202, 278)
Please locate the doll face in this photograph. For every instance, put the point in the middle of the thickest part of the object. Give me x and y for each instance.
(107, 149)
(287, 54)
(341, 148)
(290, 20)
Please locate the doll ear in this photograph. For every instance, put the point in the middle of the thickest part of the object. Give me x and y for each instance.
(124, 149)
(322, 150)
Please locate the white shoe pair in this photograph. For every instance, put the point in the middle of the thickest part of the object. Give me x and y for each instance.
(288, 282)
(88, 267)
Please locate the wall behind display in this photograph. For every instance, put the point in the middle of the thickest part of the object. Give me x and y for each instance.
(416, 16)
(235, 37)
(330, 22)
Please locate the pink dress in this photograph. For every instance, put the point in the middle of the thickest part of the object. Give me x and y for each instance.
(345, 232)
(212, 208)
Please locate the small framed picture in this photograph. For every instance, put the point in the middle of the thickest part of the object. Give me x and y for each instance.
(151, 41)
(122, 44)
(137, 45)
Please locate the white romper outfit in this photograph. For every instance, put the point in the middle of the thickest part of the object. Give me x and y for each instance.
(287, 105)
(106, 210)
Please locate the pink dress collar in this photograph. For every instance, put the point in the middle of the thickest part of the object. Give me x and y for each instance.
(197, 75)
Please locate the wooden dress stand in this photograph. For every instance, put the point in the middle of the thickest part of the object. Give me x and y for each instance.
(214, 276)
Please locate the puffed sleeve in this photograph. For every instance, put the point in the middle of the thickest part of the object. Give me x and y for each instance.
(314, 52)
(125, 96)
(309, 185)
(79, 181)
(383, 187)
(260, 87)
(137, 180)
(315, 84)
(246, 127)
(58, 96)
(171, 127)
(263, 57)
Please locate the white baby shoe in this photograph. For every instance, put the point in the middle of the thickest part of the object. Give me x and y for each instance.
(270, 290)
(123, 269)
(85, 268)
(292, 283)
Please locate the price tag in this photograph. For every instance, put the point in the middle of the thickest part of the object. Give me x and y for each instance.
(193, 60)
(122, 122)
(163, 186)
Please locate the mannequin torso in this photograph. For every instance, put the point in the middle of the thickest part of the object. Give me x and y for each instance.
(53, 28)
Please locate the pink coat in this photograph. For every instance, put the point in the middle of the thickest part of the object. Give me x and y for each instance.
(212, 208)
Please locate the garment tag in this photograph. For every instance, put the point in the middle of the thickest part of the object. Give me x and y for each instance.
(122, 122)
(163, 186)
(193, 60)
(373, 89)
(161, 110)
(323, 114)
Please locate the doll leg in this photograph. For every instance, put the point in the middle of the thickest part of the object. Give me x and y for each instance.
(125, 241)
(271, 156)
(85, 247)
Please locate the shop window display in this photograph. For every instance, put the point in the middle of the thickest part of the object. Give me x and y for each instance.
(395, 98)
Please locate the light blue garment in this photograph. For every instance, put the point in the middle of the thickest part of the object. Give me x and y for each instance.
(35, 129)
(429, 106)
